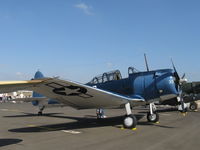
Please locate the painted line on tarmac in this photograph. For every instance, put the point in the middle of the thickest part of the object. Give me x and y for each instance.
(71, 131)
(12, 110)
(4, 109)
(54, 129)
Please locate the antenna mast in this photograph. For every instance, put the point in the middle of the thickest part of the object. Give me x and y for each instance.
(145, 57)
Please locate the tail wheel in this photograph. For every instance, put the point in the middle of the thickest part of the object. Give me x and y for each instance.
(153, 117)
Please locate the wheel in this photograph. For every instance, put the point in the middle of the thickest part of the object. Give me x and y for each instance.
(130, 122)
(193, 106)
(100, 118)
(39, 113)
(153, 117)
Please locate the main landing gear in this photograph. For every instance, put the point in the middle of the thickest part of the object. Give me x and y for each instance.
(152, 116)
(100, 114)
(130, 120)
(41, 108)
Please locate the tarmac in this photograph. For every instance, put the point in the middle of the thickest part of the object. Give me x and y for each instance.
(69, 129)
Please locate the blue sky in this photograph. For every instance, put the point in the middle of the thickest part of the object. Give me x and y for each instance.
(78, 39)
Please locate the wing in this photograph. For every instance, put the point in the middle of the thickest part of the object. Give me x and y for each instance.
(10, 86)
(75, 94)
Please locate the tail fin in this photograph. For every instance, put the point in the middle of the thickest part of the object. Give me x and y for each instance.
(39, 98)
(38, 75)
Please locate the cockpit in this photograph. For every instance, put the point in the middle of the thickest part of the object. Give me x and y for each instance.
(107, 76)
(132, 70)
(111, 76)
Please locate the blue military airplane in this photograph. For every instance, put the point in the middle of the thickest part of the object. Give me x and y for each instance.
(108, 90)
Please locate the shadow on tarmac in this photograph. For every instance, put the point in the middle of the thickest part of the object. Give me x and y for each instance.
(80, 123)
(5, 142)
(32, 115)
(159, 110)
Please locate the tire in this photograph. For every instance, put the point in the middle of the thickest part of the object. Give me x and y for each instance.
(193, 106)
(130, 122)
(40, 113)
(153, 117)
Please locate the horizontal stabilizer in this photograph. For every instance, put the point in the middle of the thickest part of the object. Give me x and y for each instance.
(31, 99)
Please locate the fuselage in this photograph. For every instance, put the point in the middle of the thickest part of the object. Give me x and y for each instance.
(152, 85)
(155, 85)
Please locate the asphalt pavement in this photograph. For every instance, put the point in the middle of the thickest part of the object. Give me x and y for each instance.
(69, 129)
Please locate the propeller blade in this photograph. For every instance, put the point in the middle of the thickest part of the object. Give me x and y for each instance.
(175, 71)
(179, 87)
(173, 65)
(183, 76)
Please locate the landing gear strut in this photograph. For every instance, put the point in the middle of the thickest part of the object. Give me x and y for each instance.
(40, 112)
(182, 107)
(130, 120)
(100, 114)
(152, 116)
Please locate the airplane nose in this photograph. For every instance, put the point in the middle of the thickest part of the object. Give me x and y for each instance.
(167, 87)
(173, 85)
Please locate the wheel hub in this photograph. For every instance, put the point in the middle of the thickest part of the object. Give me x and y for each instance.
(153, 117)
(128, 121)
